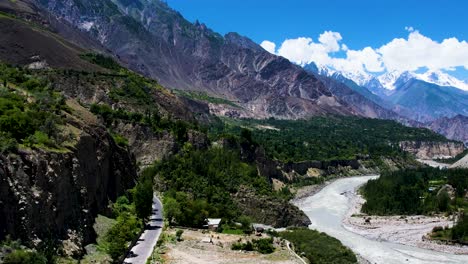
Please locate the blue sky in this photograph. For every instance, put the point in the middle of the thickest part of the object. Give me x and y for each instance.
(360, 23)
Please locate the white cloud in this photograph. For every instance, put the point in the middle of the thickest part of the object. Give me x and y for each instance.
(305, 50)
(419, 51)
(330, 40)
(415, 52)
(269, 46)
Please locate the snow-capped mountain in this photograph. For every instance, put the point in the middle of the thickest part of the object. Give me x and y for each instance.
(360, 78)
(394, 79)
(422, 97)
(389, 80)
(443, 79)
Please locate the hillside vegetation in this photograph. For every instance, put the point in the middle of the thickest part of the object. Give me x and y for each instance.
(30, 113)
(328, 138)
(318, 247)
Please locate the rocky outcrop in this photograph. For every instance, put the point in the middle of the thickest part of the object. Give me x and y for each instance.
(432, 150)
(269, 210)
(57, 194)
(146, 145)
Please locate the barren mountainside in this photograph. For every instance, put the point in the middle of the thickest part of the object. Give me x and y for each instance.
(161, 44)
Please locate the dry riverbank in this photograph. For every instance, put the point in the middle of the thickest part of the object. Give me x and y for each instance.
(408, 230)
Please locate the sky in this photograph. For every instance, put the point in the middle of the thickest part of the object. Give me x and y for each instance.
(363, 35)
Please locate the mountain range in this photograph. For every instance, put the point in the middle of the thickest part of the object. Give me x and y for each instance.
(103, 102)
(421, 97)
(161, 44)
(434, 99)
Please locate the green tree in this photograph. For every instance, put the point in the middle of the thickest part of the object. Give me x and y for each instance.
(246, 223)
(443, 200)
(144, 198)
(171, 209)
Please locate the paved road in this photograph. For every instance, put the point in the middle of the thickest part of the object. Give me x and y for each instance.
(144, 247)
(326, 210)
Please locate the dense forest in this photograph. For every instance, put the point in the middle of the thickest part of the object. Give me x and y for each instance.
(327, 138)
(416, 191)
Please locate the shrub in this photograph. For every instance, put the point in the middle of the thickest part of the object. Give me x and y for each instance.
(264, 245)
(179, 233)
(25, 256)
(243, 246)
(39, 138)
(120, 140)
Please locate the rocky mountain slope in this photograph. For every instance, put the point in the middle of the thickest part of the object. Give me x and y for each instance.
(28, 31)
(453, 128)
(161, 44)
(429, 101)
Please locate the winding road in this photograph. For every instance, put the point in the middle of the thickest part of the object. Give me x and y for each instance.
(327, 209)
(140, 253)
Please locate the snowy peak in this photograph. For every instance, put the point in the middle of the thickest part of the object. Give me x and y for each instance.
(319, 69)
(360, 78)
(443, 79)
(390, 80)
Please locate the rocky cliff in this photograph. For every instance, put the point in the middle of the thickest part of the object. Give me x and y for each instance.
(57, 194)
(432, 150)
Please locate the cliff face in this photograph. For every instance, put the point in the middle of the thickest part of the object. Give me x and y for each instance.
(46, 194)
(431, 150)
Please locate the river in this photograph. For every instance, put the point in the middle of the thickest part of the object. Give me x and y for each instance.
(327, 209)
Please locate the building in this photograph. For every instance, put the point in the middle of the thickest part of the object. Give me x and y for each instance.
(213, 223)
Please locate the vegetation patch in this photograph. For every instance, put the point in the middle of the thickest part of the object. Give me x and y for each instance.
(102, 60)
(318, 247)
(203, 96)
(416, 191)
(263, 246)
(30, 112)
